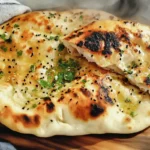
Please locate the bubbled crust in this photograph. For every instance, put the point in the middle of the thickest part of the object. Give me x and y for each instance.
(122, 46)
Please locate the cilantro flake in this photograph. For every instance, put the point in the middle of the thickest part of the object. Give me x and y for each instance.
(44, 84)
(132, 114)
(32, 68)
(81, 17)
(1, 74)
(4, 48)
(16, 26)
(34, 105)
(127, 100)
(128, 71)
(69, 76)
(19, 53)
(83, 81)
(61, 47)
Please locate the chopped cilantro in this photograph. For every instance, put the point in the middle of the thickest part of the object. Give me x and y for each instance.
(8, 40)
(128, 71)
(59, 78)
(1, 74)
(121, 51)
(32, 68)
(84, 81)
(44, 84)
(81, 17)
(61, 47)
(68, 64)
(148, 76)
(34, 90)
(127, 100)
(19, 53)
(65, 20)
(51, 15)
(4, 48)
(16, 26)
(34, 105)
(132, 114)
(56, 38)
(3, 36)
(134, 65)
(69, 76)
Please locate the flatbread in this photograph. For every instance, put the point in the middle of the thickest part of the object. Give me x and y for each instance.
(121, 46)
(45, 91)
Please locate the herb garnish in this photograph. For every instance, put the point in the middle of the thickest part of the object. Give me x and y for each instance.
(19, 53)
(84, 81)
(56, 38)
(4, 48)
(44, 84)
(128, 71)
(16, 26)
(57, 76)
(32, 68)
(132, 114)
(134, 65)
(61, 47)
(8, 40)
(127, 100)
(81, 17)
(34, 105)
(51, 15)
(1, 74)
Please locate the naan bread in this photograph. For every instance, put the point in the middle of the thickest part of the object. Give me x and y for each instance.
(45, 91)
(121, 46)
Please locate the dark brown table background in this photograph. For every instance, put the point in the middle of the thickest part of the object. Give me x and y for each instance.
(138, 141)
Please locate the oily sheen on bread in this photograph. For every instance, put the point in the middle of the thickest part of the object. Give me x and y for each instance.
(45, 91)
(121, 46)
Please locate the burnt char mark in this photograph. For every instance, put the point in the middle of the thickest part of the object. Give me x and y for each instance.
(79, 33)
(61, 98)
(148, 47)
(108, 99)
(50, 107)
(93, 42)
(36, 119)
(29, 121)
(106, 95)
(147, 80)
(26, 119)
(80, 44)
(125, 37)
(46, 98)
(75, 95)
(96, 110)
(110, 41)
(86, 92)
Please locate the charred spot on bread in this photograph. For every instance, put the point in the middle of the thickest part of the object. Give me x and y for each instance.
(85, 92)
(50, 107)
(105, 93)
(29, 121)
(96, 110)
(94, 41)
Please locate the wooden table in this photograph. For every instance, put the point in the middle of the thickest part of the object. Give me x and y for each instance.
(139, 141)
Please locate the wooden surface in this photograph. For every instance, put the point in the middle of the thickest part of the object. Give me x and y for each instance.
(139, 141)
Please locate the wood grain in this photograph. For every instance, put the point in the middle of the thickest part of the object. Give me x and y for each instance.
(138, 141)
